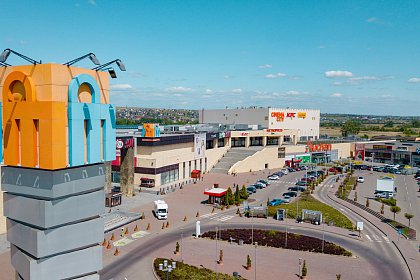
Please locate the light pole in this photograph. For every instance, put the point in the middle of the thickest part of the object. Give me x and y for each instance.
(323, 234)
(252, 226)
(255, 257)
(373, 156)
(167, 268)
(297, 205)
(182, 244)
(300, 270)
(285, 245)
(216, 253)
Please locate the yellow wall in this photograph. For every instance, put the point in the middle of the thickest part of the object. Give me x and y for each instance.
(258, 160)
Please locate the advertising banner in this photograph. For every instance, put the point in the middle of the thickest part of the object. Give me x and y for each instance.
(199, 145)
(359, 152)
(306, 158)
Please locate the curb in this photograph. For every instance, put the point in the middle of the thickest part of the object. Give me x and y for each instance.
(154, 271)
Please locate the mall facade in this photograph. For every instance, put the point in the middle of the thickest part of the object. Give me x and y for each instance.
(304, 121)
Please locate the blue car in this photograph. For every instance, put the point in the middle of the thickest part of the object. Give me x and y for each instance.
(275, 202)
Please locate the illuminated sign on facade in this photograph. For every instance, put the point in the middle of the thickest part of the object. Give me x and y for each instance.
(318, 147)
(278, 115)
(274, 130)
(291, 115)
(301, 115)
(125, 143)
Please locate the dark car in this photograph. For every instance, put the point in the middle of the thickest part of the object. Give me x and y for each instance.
(291, 194)
(297, 189)
(308, 179)
(252, 189)
(302, 183)
(264, 182)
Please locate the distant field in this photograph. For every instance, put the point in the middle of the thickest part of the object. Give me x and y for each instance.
(336, 132)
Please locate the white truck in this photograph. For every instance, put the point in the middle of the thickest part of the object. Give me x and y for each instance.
(385, 187)
(161, 209)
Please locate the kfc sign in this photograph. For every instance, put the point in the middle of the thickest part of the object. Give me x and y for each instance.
(291, 115)
(278, 115)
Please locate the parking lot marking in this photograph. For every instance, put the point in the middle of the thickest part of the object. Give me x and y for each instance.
(221, 218)
(377, 239)
(386, 239)
(368, 237)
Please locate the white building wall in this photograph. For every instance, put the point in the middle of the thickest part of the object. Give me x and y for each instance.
(235, 116)
(305, 121)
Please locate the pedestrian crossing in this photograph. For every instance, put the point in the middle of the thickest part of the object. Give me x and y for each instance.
(376, 238)
(217, 217)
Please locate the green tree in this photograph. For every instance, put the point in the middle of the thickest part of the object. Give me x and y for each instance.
(237, 195)
(350, 128)
(408, 216)
(229, 199)
(304, 269)
(243, 193)
(395, 210)
(389, 124)
(248, 262)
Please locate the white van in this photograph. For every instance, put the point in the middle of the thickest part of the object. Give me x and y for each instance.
(161, 210)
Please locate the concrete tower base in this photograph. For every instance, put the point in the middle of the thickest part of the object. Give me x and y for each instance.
(53, 221)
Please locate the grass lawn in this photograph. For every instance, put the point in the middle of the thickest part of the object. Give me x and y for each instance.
(310, 203)
(188, 272)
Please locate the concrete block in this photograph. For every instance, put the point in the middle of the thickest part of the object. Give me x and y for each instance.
(70, 265)
(45, 214)
(52, 184)
(41, 244)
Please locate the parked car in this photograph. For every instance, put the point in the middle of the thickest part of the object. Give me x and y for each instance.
(291, 169)
(384, 194)
(275, 202)
(302, 183)
(285, 171)
(260, 185)
(308, 179)
(251, 188)
(304, 167)
(378, 168)
(332, 169)
(296, 189)
(273, 177)
(291, 194)
(264, 182)
(360, 179)
(286, 199)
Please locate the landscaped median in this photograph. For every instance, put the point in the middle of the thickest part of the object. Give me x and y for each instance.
(187, 272)
(277, 239)
(308, 202)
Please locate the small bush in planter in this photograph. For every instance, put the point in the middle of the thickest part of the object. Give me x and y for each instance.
(248, 262)
(304, 270)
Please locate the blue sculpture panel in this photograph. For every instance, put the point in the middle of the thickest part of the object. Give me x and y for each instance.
(86, 120)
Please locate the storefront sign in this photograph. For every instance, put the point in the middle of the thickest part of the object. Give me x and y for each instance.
(125, 143)
(359, 152)
(225, 134)
(274, 130)
(199, 145)
(301, 115)
(382, 147)
(306, 158)
(318, 147)
(278, 115)
(244, 133)
(150, 139)
(291, 115)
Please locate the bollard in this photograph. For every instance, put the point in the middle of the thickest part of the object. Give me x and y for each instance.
(116, 253)
(212, 210)
(109, 245)
(112, 237)
(167, 224)
(148, 226)
(185, 218)
(104, 243)
(197, 215)
(136, 228)
(126, 231)
(163, 225)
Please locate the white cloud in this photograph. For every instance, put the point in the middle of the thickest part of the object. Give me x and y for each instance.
(414, 80)
(274, 76)
(237, 90)
(121, 86)
(375, 20)
(92, 2)
(179, 89)
(178, 95)
(363, 79)
(293, 92)
(228, 76)
(337, 83)
(321, 47)
(338, 74)
(337, 95)
(372, 19)
(208, 91)
(265, 66)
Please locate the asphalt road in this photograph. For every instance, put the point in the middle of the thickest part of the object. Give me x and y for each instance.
(379, 244)
(381, 255)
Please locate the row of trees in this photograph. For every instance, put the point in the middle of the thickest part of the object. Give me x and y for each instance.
(237, 197)
(351, 127)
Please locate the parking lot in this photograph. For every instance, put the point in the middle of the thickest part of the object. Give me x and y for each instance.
(407, 195)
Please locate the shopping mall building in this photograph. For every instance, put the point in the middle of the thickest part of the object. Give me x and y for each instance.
(304, 121)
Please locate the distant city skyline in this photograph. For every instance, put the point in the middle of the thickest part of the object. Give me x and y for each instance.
(351, 57)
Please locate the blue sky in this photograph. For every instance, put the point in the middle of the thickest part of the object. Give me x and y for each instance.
(358, 57)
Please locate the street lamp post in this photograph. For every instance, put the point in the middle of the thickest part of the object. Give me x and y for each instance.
(167, 268)
(323, 235)
(252, 226)
(285, 245)
(216, 251)
(300, 270)
(255, 257)
(182, 244)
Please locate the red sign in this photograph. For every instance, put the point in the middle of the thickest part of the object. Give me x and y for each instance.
(359, 152)
(291, 115)
(244, 133)
(278, 115)
(318, 147)
(274, 130)
(125, 143)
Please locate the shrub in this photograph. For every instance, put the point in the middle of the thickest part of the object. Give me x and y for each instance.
(304, 268)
